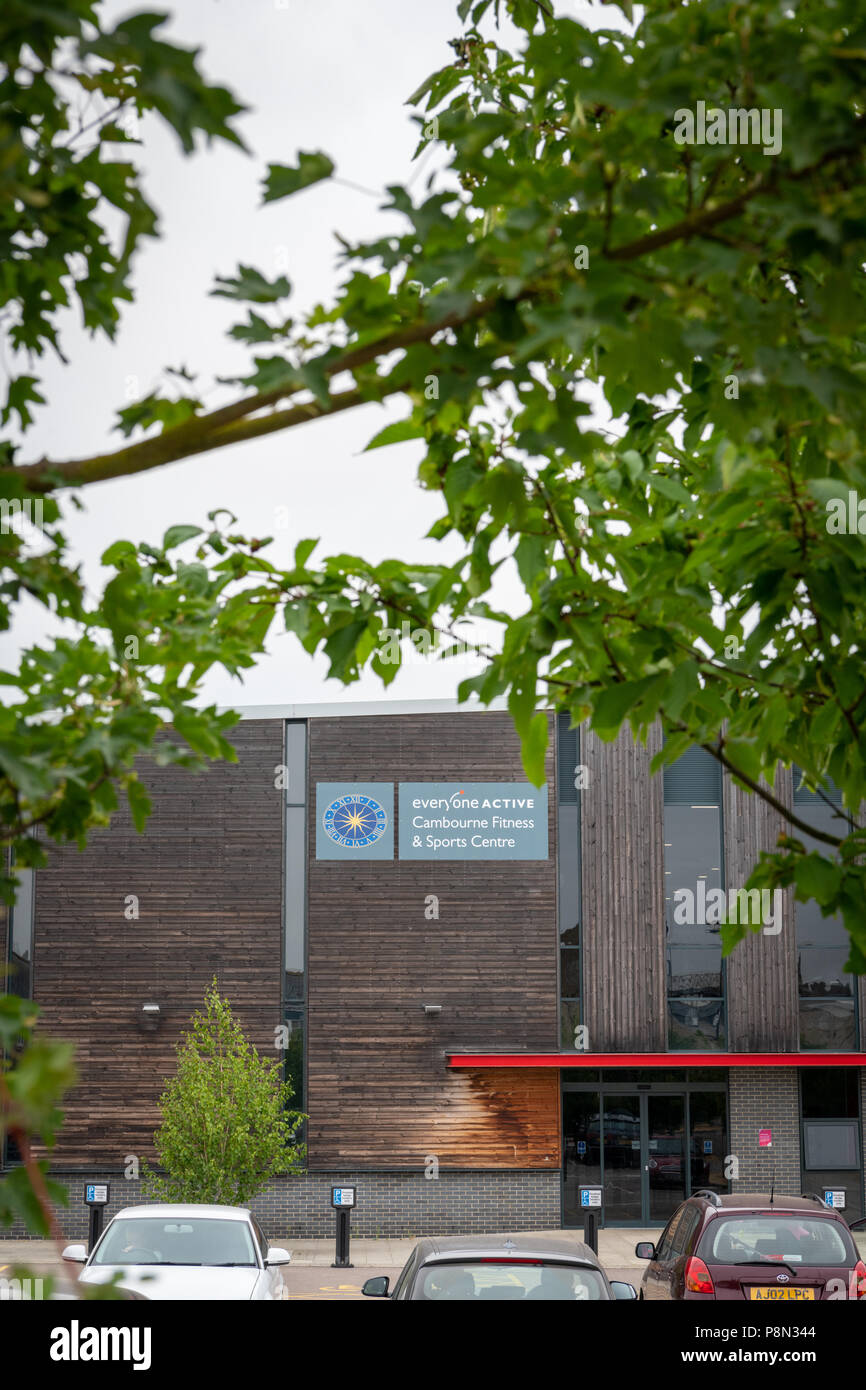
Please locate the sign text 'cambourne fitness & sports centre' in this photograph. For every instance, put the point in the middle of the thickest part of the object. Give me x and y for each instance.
(472, 820)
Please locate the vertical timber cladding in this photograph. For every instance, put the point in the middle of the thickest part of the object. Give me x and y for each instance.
(622, 893)
(207, 872)
(379, 1091)
(762, 970)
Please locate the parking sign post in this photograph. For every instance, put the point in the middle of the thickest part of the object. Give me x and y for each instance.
(591, 1206)
(342, 1200)
(96, 1196)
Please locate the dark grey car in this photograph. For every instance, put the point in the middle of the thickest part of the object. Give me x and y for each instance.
(523, 1268)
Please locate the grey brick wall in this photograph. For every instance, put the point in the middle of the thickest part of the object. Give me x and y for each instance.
(765, 1098)
(389, 1204)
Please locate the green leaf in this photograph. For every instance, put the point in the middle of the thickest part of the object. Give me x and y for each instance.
(395, 434)
(140, 805)
(533, 747)
(176, 535)
(22, 392)
(249, 284)
(282, 179)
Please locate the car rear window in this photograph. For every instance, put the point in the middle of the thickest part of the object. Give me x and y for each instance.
(801, 1240)
(501, 1281)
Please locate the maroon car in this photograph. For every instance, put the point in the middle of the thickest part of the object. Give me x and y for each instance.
(759, 1248)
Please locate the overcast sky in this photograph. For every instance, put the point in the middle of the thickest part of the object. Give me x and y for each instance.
(316, 74)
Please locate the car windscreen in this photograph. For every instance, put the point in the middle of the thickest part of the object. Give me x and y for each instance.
(792, 1238)
(150, 1240)
(504, 1280)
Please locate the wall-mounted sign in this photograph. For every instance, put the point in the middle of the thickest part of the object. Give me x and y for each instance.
(708, 1146)
(765, 1138)
(354, 820)
(473, 820)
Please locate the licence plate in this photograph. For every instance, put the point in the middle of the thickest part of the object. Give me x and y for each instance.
(764, 1292)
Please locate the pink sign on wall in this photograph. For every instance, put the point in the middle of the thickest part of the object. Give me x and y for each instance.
(765, 1138)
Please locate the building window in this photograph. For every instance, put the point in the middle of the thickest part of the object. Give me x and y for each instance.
(295, 905)
(19, 979)
(694, 876)
(830, 1110)
(828, 996)
(568, 896)
(18, 975)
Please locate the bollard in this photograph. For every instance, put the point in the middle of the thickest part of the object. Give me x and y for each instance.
(342, 1200)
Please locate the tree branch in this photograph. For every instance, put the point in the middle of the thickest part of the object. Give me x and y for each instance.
(205, 432)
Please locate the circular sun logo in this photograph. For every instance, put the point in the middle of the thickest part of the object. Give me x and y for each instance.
(355, 821)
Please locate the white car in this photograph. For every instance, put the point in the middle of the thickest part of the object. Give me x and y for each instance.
(185, 1252)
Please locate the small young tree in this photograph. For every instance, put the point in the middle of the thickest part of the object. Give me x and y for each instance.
(226, 1126)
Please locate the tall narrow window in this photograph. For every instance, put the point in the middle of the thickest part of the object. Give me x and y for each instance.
(19, 978)
(295, 905)
(568, 842)
(694, 876)
(828, 997)
(18, 975)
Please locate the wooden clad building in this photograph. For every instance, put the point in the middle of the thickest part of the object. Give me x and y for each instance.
(514, 1017)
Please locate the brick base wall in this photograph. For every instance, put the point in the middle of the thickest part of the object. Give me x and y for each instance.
(389, 1204)
(765, 1098)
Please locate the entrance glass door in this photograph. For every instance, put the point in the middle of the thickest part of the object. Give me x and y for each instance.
(648, 1148)
(623, 1164)
(665, 1162)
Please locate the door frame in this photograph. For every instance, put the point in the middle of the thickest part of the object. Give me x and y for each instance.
(643, 1089)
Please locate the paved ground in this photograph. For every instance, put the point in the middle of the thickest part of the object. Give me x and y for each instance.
(310, 1275)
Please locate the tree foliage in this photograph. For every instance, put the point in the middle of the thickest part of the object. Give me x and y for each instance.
(226, 1127)
(683, 560)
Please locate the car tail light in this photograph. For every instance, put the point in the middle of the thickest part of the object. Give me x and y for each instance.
(859, 1280)
(698, 1277)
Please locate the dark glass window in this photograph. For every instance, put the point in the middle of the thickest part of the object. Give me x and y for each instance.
(570, 973)
(20, 936)
(828, 999)
(581, 1148)
(694, 879)
(708, 1142)
(831, 1135)
(830, 1092)
(568, 843)
(294, 1020)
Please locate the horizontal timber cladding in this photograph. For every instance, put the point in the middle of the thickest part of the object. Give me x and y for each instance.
(622, 859)
(207, 872)
(378, 1091)
(762, 970)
